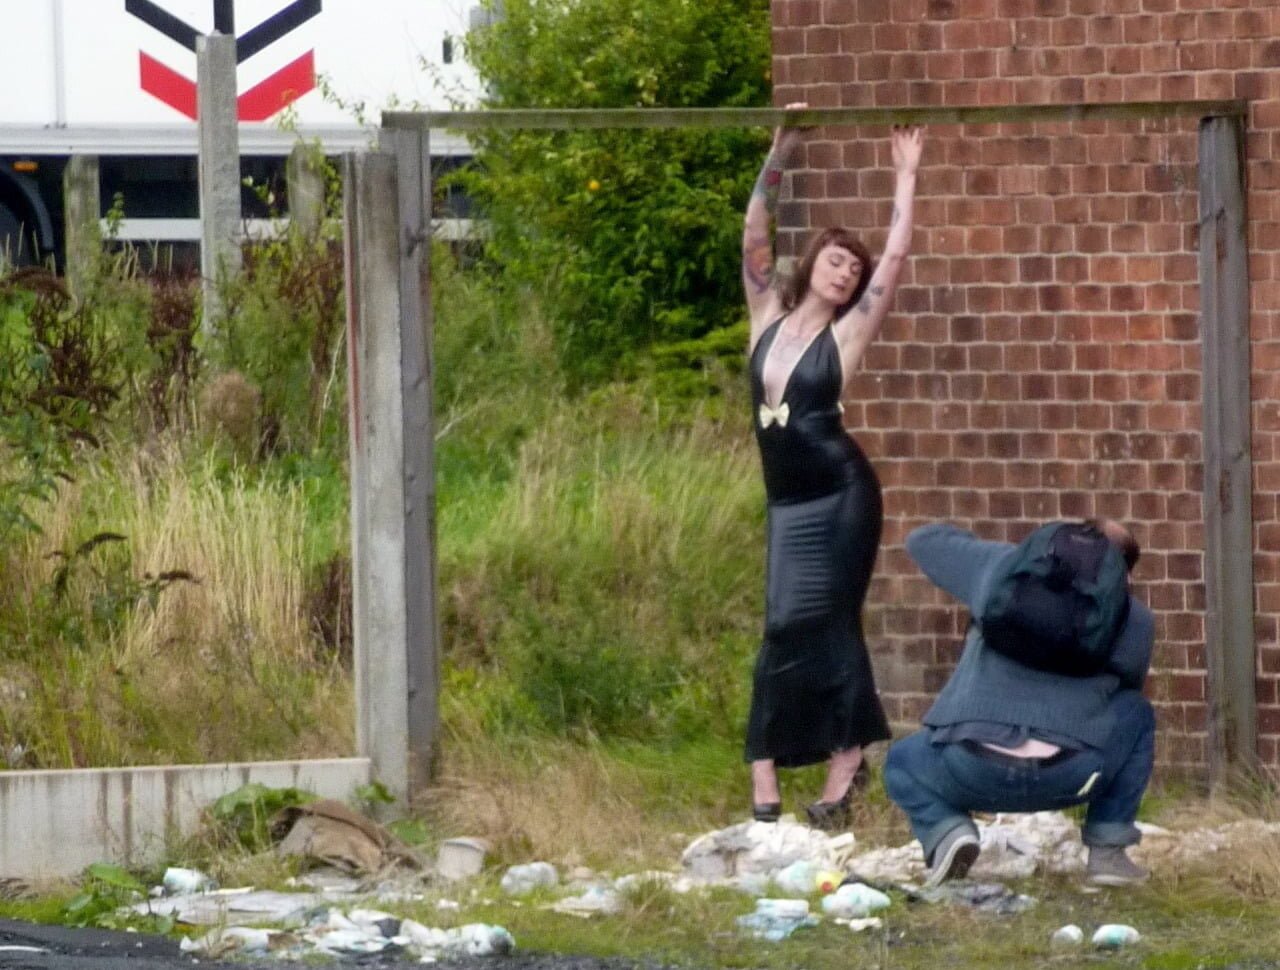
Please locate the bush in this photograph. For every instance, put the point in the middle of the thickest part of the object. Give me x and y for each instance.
(636, 233)
(283, 333)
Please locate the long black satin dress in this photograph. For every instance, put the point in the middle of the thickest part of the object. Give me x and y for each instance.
(814, 691)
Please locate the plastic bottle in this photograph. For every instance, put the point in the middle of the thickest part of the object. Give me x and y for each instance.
(828, 880)
(799, 877)
(854, 901)
(1112, 936)
(519, 880)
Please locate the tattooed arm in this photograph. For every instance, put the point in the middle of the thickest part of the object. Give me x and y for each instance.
(857, 328)
(757, 231)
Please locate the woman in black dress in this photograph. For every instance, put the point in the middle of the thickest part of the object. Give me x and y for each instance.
(814, 696)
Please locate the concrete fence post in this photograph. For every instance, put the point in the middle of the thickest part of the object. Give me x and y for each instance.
(81, 193)
(305, 185)
(392, 479)
(219, 165)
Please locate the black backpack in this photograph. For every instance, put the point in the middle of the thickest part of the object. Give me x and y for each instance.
(1059, 601)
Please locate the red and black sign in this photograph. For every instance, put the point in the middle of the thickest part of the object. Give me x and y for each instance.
(263, 99)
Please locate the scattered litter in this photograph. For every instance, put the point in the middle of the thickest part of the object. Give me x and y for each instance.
(854, 901)
(799, 877)
(1162, 849)
(472, 940)
(230, 939)
(19, 948)
(828, 880)
(448, 905)
(671, 880)
(177, 881)
(1069, 935)
(524, 879)
(751, 883)
(764, 848)
(360, 933)
(858, 925)
(889, 865)
(373, 920)
(225, 906)
(1112, 936)
(461, 858)
(326, 879)
(987, 897)
(776, 919)
(1014, 846)
(595, 901)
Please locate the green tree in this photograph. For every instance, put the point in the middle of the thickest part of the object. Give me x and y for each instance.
(632, 237)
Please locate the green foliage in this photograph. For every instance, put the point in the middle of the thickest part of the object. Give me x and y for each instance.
(410, 831)
(59, 376)
(283, 332)
(244, 815)
(373, 795)
(637, 232)
(105, 890)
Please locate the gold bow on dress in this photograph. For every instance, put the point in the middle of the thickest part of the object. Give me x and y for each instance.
(769, 415)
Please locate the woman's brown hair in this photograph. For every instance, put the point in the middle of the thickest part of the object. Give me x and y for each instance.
(797, 287)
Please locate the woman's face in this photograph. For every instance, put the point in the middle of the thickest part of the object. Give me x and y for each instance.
(835, 274)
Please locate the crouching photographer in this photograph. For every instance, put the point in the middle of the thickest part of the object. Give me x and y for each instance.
(1045, 708)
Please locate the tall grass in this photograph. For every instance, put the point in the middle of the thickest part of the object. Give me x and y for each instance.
(112, 659)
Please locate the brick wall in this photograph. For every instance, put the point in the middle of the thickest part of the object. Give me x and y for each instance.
(1044, 357)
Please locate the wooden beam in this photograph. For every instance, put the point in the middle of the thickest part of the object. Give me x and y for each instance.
(584, 118)
(1228, 483)
(413, 166)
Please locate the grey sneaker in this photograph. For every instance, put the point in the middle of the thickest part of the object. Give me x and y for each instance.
(1110, 865)
(953, 856)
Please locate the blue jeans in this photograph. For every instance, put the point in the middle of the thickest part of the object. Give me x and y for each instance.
(939, 785)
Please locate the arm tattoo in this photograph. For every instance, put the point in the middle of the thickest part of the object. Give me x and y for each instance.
(757, 262)
(769, 183)
(877, 291)
(757, 247)
(893, 219)
(864, 305)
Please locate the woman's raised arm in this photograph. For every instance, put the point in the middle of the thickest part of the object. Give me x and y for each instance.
(857, 328)
(757, 230)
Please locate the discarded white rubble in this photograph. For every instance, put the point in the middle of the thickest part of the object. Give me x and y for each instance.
(763, 849)
(768, 860)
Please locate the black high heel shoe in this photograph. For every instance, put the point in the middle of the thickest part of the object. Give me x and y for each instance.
(766, 811)
(836, 816)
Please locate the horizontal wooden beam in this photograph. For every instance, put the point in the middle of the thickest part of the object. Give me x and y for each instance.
(570, 119)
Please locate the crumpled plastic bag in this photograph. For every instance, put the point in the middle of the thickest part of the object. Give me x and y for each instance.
(776, 919)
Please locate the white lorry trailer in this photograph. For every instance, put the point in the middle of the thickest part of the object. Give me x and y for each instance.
(115, 79)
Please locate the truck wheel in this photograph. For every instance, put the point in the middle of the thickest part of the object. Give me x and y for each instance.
(17, 245)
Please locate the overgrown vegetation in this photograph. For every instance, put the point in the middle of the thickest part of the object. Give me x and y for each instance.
(637, 231)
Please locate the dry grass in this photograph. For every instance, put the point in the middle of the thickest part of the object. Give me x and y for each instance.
(221, 667)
